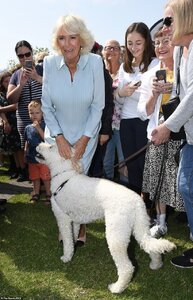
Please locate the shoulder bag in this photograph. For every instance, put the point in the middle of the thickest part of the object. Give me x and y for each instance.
(172, 104)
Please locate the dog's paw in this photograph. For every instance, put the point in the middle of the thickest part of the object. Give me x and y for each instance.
(65, 259)
(116, 288)
(155, 265)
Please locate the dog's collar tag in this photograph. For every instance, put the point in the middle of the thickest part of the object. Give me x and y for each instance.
(59, 188)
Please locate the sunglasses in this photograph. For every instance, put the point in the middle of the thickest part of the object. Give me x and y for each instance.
(168, 21)
(109, 48)
(27, 54)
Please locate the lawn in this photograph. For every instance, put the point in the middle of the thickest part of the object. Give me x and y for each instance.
(31, 267)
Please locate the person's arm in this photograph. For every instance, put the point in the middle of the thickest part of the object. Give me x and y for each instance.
(98, 102)
(106, 126)
(47, 105)
(6, 125)
(11, 107)
(34, 74)
(38, 129)
(15, 86)
(148, 99)
(185, 109)
(48, 109)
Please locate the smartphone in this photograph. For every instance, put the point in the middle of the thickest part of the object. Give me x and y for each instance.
(161, 75)
(138, 83)
(29, 64)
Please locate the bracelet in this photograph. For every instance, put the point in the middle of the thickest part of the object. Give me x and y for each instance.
(118, 94)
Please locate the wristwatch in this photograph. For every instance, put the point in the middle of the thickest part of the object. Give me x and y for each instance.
(57, 135)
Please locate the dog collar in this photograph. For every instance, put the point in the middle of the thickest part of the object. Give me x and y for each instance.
(60, 187)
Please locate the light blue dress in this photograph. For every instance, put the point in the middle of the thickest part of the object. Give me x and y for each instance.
(74, 108)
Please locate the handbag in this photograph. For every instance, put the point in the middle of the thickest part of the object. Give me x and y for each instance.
(171, 106)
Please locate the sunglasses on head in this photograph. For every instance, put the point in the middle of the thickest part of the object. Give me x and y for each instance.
(168, 21)
(27, 54)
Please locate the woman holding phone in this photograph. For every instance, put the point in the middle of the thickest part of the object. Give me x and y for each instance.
(160, 171)
(25, 85)
(139, 57)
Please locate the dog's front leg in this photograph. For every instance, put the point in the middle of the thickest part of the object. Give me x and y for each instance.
(76, 228)
(65, 227)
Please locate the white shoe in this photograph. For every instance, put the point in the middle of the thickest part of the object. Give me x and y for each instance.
(191, 236)
(157, 231)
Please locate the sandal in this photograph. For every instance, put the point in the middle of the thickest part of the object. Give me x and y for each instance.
(35, 198)
(47, 201)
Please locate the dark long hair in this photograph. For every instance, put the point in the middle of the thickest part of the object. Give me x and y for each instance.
(148, 53)
(3, 75)
(23, 43)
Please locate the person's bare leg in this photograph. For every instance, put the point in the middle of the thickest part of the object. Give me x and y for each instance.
(82, 233)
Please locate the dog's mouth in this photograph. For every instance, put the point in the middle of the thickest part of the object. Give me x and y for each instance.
(40, 156)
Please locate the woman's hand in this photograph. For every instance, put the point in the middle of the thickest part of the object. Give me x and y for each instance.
(157, 87)
(103, 138)
(64, 147)
(127, 90)
(7, 127)
(32, 73)
(161, 88)
(80, 147)
(23, 77)
(167, 88)
(160, 134)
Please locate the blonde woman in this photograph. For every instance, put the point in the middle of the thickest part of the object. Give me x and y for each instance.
(182, 35)
(73, 93)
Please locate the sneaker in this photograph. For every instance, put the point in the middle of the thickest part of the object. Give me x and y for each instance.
(157, 231)
(188, 253)
(182, 261)
(3, 201)
(22, 177)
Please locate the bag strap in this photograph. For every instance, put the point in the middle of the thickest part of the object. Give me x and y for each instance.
(178, 73)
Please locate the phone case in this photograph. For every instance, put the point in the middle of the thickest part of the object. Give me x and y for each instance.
(161, 75)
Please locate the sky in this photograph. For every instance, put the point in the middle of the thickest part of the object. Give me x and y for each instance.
(34, 21)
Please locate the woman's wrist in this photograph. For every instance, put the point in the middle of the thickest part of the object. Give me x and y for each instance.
(117, 93)
(84, 140)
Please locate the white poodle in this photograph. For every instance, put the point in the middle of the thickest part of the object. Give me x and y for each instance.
(78, 199)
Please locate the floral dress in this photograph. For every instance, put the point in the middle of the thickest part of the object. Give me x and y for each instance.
(11, 141)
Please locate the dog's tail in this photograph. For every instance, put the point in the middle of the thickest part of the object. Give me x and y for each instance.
(141, 231)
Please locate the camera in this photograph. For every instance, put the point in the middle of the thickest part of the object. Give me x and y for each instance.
(29, 64)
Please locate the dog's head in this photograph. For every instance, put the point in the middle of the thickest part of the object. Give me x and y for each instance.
(48, 154)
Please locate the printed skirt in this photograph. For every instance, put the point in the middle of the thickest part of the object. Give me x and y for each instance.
(160, 174)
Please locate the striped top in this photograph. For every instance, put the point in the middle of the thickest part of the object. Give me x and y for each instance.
(31, 90)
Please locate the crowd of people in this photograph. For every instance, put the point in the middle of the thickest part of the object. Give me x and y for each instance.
(105, 102)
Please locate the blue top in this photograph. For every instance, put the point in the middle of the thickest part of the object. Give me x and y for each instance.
(74, 108)
(34, 139)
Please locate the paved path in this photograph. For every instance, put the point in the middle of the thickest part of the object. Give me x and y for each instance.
(12, 187)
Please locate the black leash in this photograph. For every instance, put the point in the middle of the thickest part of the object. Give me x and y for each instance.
(119, 165)
(123, 162)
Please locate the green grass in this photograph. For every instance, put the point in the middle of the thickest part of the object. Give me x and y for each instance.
(31, 267)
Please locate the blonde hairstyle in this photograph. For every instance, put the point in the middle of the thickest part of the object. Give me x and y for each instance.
(73, 25)
(183, 17)
(34, 104)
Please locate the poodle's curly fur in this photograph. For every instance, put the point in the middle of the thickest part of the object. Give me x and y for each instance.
(83, 200)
